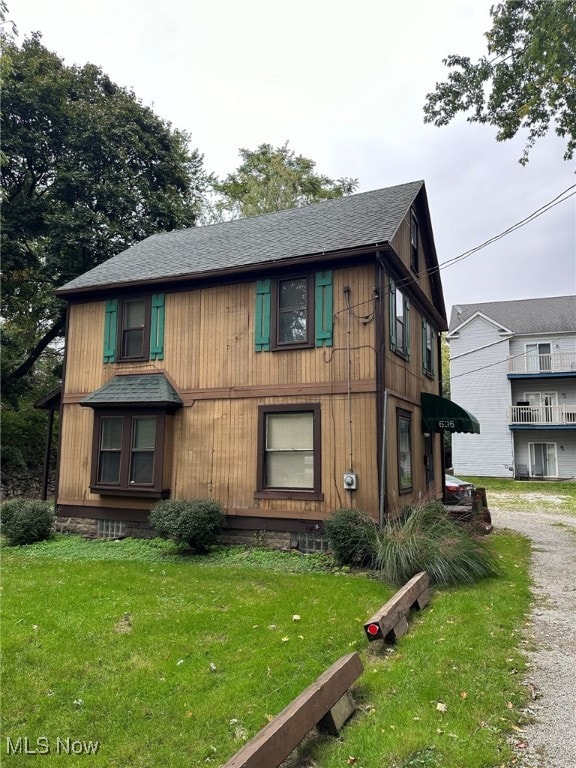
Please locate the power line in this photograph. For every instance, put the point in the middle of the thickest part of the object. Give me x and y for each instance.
(499, 362)
(561, 198)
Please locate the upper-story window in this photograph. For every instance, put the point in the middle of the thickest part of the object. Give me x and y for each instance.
(294, 312)
(134, 329)
(428, 339)
(293, 318)
(414, 242)
(399, 321)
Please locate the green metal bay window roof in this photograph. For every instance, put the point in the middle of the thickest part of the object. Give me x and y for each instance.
(440, 414)
(152, 390)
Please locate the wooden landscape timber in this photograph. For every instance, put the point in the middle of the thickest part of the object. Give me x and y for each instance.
(390, 622)
(326, 703)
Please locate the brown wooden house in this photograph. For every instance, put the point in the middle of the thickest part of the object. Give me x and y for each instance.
(275, 363)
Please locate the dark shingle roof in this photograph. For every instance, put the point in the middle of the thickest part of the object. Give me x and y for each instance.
(364, 219)
(135, 389)
(556, 314)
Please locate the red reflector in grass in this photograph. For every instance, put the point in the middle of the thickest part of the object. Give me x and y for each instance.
(372, 629)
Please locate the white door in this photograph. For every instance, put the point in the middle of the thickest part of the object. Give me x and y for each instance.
(538, 357)
(543, 406)
(543, 460)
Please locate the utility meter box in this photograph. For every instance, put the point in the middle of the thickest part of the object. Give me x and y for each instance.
(350, 481)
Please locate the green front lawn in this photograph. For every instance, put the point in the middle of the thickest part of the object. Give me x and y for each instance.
(166, 660)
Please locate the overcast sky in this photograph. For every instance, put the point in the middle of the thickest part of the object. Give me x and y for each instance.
(344, 83)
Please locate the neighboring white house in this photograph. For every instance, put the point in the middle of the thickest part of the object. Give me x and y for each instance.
(513, 365)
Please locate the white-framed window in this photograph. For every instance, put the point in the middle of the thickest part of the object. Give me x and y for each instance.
(538, 357)
(543, 407)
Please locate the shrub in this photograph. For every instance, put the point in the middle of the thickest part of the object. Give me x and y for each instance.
(352, 536)
(23, 521)
(194, 522)
(427, 539)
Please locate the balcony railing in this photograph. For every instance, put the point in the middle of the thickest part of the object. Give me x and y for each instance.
(558, 362)
(555, 415)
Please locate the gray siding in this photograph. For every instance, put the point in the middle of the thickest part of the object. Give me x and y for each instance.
(559, 343)
(565, 441)
(564, 388)
(478, 371)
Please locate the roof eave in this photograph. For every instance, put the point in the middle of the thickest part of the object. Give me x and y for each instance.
(244, 269)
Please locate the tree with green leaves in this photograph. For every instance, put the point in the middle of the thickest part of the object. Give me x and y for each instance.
(87, 170)
(527, 81)
(273, 179)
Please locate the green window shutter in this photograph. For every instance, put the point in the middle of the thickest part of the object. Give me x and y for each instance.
(407, 327)
(392, 314)
(323, 309)
(433, 355)
(110, 330)
(157, 327)
(262, 321)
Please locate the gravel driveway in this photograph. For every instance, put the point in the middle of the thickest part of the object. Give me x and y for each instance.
(550, 740)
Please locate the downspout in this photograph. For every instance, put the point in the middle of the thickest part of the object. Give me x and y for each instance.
(440, 393)
(47, 448)
(382, 393)
(383, 467)
(61, 410)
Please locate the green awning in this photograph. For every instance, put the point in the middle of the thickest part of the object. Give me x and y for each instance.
(139, 390)
(442, 415)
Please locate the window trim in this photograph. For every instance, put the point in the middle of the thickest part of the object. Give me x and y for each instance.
(124, 487)
(262, 491)
(403, 351)
(428, 334)
(405, 417)
(275, 313)
(540, 362)
(414, 243)
(531, 450)
(145, 356)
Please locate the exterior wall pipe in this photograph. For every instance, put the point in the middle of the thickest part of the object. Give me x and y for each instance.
(382, 499)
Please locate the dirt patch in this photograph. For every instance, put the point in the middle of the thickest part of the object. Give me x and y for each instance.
(532, 498)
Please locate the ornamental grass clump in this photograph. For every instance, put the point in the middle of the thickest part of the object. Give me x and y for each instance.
(24, 521)
(427, 539)
(195, 523)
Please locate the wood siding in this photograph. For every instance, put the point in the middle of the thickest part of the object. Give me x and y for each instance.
(210, 359)
(401, 244)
